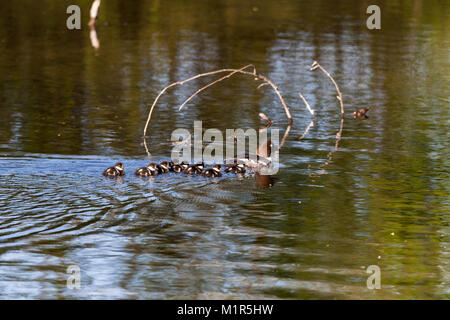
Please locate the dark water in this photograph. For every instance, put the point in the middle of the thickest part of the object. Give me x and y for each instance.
(69, 110)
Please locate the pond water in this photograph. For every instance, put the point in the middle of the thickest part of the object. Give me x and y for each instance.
(70, 110)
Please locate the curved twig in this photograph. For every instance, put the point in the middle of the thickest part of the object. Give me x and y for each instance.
(336, 146)
(311, 124)
(286, 133)
(311, 111)
(268, 122)
(94, 12)
(231, 72)
(316, 65)
(306, 104)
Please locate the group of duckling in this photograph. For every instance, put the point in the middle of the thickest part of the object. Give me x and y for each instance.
(153, 169)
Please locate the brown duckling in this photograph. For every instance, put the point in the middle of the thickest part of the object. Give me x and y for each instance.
(195, 168)
(150, 170)
(180, 167)
(213, 172)
(117, 170)
(361, 113)
(164, 167)
(235, 168)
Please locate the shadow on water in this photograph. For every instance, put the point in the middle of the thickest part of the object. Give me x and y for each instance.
(69, 110)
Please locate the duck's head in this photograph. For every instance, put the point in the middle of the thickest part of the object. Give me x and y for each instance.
(165, 165)
(152, 166)
(119, 166)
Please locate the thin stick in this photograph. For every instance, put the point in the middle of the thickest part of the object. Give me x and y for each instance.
(94, 12)
(306, 104)
(268, 122)
(146, 148)
(93, 36)
(286, 133)
(311, 124)
(316, 65)
(275, 88)
(331, 153)
(312, 113)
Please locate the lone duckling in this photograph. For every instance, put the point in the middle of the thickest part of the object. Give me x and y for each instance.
(180, 167)
(117, 170)
(235, 168)
(213, 172)
(361, 113)
(164, 167)
(149, 170)
(194, 168)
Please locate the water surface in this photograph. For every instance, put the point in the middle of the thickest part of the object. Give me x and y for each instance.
(70, 110)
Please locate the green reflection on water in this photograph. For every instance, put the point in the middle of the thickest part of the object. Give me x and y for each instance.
(382, 200)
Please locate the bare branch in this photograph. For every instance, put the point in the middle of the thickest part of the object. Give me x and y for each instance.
(231, 72)
(311, 124)
(316, 65)
(93, 36)
(268, 122)
(286, 133)
(262, 85)
(306, 104)
(94, 12)
(331, 153)
(264, 117)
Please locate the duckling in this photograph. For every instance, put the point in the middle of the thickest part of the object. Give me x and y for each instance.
(149, 170)
(213, 172)
(164, 167)
(117, 170)
(194, 168)
(180, 167)
(235, 168)
(361, 113)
